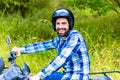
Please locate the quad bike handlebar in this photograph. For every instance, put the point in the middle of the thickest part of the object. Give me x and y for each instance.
(12, 57)
(13, 72)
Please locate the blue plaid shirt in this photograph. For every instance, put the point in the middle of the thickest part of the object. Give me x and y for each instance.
(72, 56)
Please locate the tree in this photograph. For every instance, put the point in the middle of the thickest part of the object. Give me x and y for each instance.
(101, 6)
(11, 6)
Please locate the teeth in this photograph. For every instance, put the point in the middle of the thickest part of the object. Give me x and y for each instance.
(61, 30)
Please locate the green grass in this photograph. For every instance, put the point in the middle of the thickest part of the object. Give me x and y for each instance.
(101, 35)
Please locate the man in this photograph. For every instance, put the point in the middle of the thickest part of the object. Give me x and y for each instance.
(72, 51)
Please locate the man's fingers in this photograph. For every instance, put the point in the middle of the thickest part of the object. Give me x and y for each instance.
(17, 50)
(34, 78)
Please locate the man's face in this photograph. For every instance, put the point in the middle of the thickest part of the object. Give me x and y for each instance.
(62, 26)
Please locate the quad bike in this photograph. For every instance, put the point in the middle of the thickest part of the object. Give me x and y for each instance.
(105, 75)
(15, 72)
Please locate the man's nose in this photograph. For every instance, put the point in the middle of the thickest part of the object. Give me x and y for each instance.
(60, 26)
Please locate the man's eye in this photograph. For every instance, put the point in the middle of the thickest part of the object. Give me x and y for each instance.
(63, 23)
(57, 23)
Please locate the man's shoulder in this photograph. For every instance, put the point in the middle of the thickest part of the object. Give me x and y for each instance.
(75, 32)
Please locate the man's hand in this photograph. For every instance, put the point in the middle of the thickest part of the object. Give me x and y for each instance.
(17, 51)
(34, 78)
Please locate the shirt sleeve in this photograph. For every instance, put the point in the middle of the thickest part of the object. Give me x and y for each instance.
(39, 46)
(71, 45)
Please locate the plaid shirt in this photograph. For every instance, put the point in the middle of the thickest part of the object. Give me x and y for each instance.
(72, 56)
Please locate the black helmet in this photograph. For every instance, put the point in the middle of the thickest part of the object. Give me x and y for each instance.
(65, 13)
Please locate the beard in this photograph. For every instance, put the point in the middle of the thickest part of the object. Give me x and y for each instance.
(62, 32)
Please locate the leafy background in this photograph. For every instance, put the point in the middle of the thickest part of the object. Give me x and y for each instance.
(29, 21)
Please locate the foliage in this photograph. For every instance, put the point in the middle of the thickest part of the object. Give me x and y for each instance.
(11, 6)
(22, 6)
(101, 6)
(25, 6)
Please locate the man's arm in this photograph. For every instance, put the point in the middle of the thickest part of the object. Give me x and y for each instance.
(36, 47)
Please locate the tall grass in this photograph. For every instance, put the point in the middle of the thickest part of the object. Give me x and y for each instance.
(101, 35)
(103, 41)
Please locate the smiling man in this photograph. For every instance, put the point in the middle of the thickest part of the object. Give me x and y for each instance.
(62, 27)
(72, 50)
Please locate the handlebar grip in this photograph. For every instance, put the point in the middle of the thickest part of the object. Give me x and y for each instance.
(12, 56)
